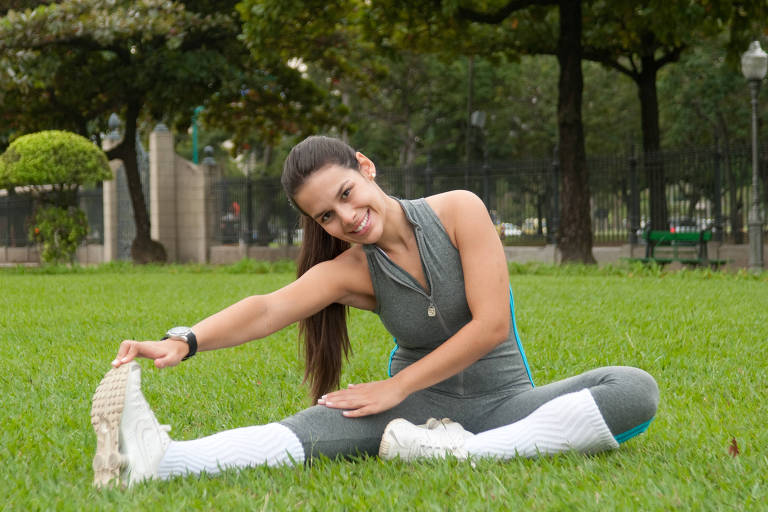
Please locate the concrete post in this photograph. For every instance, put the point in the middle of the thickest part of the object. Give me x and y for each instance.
(110, 205)
(109, 195)
(162, 190)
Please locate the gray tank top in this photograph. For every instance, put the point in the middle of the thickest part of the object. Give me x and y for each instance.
(421, 319)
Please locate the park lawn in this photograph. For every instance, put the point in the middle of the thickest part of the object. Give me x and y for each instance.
(702, 335)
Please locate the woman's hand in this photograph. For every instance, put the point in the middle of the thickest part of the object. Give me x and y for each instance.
(364, 399)
(164, 353)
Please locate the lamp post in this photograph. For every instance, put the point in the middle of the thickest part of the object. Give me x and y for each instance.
(195, 113)
(754, 64)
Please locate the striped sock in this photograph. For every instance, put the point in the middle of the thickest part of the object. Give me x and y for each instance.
(272, 444)
(568, 422)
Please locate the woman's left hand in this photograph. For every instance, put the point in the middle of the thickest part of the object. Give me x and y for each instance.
(364, 399)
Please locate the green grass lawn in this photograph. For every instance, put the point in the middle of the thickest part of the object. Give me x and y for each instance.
(703, 335)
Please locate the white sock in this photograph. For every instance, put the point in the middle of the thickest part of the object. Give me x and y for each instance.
(272, 444)
(568, 422)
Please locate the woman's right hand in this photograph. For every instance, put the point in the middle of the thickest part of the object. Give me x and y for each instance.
(165, 353)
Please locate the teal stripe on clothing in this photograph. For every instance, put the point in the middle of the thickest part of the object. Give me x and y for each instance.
(391, 356)
(629, 434)
(517, 336)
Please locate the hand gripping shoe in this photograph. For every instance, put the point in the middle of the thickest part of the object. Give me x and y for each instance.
(129, 441)
(436, 438)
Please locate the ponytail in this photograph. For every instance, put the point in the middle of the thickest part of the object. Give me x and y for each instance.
(325, 334)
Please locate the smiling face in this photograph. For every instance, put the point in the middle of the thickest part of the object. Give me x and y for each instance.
(345, 202)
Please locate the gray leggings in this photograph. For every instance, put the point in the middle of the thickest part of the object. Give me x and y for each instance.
(627, 398)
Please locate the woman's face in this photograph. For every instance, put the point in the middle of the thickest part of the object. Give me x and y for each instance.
(346, 203)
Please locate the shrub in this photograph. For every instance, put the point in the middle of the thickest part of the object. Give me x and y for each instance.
(54, 164)
(53, 160)
(58, 231)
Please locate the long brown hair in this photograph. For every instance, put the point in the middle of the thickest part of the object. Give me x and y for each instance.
(324, 333)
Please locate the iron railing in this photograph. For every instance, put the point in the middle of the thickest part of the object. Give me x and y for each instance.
(16, 211)
(704, 189)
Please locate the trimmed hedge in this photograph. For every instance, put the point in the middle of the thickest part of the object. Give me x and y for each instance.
(53, 157)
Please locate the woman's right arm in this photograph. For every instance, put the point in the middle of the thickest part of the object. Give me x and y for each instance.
(257, 316)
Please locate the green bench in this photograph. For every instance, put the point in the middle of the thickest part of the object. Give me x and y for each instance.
(686, 247)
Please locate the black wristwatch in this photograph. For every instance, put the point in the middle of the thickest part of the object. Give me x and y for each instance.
(186, 335)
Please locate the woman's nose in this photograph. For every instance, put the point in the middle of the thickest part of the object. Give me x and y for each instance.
(347, 215)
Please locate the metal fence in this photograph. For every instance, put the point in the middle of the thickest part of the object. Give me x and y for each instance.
(704, 188)
(16, 211)
(255, 211)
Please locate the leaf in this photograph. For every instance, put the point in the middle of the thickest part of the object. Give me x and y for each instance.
(733, 448)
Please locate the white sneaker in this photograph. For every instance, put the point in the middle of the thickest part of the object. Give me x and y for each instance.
(436, 438)
(129, 441)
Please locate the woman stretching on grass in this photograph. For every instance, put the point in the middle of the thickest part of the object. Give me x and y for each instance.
(434, 271)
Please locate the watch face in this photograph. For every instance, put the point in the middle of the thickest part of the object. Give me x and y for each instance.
(178, 331)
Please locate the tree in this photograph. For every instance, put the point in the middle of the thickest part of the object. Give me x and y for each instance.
(638, 39)
(53, 165)
(452, 29)
(707, 90)
(71, 64)
(80, 60)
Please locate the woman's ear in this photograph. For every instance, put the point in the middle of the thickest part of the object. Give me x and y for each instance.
(367, 168)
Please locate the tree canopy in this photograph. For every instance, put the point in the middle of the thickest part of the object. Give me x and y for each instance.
(71, 64)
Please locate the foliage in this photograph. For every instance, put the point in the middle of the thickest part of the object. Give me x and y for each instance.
(638, 39)
(60, 159)
(120, 50)
(705, 97)
(71, 64)
(58, 232)
(55, 164)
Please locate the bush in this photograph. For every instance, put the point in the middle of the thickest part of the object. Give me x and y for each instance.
(58, 231)
(54, 164)
(53, 158)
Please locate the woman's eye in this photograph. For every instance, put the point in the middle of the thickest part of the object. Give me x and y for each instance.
(325, 217)
(346, 193)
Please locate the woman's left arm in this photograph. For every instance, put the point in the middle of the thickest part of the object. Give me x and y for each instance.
(486, 281)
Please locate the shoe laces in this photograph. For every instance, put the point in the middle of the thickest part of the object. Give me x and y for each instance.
(437, 440)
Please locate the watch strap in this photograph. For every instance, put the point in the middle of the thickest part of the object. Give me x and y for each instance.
(191, 340)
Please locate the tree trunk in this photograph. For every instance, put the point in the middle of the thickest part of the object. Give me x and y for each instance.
(654, 166)
(143, 248)
(575, 234)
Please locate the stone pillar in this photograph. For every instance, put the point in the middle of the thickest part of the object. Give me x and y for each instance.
(162, 190)
(109, 194)
(191, 212)
(109, 204)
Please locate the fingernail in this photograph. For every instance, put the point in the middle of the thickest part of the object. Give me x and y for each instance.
(125, 359)
(115, 362)
(328, 403)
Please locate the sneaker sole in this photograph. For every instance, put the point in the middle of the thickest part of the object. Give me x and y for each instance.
(106, 412)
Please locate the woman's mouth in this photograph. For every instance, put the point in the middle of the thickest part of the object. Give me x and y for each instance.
(363, 223)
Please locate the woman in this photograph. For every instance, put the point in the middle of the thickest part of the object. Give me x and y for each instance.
(434, 271)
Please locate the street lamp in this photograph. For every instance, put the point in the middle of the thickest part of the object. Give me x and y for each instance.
(195, 113)
(754, 64)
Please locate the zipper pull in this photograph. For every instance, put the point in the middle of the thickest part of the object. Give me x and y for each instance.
(431, 310)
